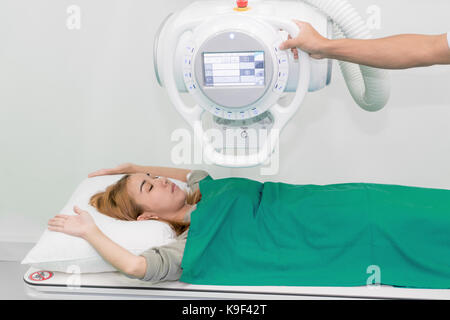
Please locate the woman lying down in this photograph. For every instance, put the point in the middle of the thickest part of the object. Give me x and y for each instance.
(244, 232)
(142, 194)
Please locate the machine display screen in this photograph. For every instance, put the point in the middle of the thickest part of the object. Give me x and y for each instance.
(234, 69)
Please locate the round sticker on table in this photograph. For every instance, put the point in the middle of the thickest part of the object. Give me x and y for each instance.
(40, 275)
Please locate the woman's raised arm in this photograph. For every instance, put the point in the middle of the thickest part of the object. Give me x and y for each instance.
(168, 172)
(129, 168)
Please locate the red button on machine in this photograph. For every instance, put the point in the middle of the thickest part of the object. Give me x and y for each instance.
(242, 3)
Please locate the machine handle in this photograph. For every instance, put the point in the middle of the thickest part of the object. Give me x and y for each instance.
(190, 114)
(283, 114)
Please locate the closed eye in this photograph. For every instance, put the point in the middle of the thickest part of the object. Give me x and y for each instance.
(144, 182)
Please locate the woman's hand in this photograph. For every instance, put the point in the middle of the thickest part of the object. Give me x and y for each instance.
(124, 168)
(80, 225)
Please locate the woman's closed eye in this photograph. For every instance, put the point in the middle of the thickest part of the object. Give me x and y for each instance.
(151, 184)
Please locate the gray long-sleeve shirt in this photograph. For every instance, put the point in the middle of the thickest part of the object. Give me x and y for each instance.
(164, 262)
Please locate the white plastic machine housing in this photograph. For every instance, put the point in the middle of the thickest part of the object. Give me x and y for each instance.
(208, 27)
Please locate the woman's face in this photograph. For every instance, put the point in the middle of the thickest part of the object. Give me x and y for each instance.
(156, 195)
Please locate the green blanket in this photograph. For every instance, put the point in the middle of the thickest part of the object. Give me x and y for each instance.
(244, 232)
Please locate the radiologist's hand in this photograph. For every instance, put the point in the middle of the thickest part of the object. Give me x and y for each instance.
(79, 225)
(124, 168)
(308, 40)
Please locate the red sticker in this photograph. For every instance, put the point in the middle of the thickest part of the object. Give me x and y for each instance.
(40, 275)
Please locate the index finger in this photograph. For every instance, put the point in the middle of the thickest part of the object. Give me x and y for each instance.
(100, 172)
(299, 22)
(62, 216)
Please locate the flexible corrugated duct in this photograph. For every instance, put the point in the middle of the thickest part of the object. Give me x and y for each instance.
(369, 87)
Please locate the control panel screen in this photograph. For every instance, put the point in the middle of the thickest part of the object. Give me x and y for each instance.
(234, 69)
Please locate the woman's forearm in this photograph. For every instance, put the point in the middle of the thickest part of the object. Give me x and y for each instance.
(118, 257)
(168, 172)
(395, 52)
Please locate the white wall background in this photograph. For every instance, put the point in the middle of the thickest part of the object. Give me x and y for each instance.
(73, 101)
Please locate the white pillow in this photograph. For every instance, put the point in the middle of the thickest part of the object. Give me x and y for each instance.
(56, 251)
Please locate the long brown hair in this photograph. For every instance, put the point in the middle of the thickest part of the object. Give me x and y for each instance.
(115, 202)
